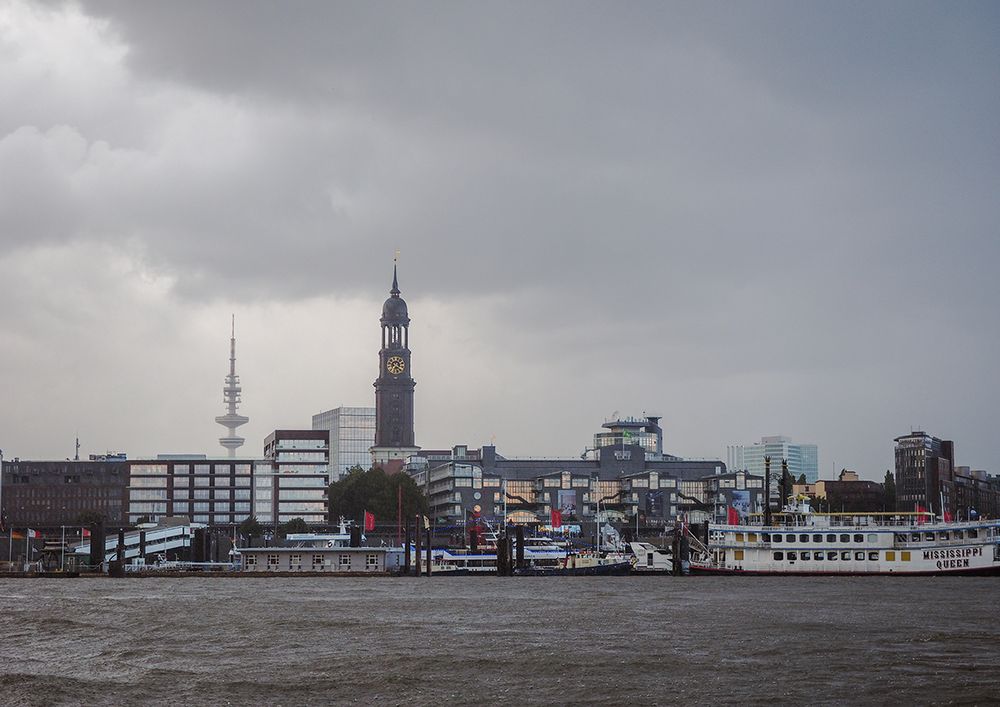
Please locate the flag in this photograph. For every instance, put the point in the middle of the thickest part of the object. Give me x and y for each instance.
(920, 514)
(32, 533)
(556, 518)
(732, 516)
(947, 516)
(626, 434)
(85, 533)
(369, 522)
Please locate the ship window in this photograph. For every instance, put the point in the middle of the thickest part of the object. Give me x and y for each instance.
(751, 537)
(915, 537)
(905, 556)
(873, 556)
(859, 538)
(929, 537)
(818, 556)
(845, 538)
(890, 555)
(959, 535)
(872, 537)
(739, 537)
(766, 537)
(779, 555)
(945, 535)
(973, 533)
(790, 538)
(806, 556)
(899, 537)
(792, 557)
(817, 538)
(831, 538)
(804, 538)
(737, 554)
(859, 556)
(845, 555)
(831, 555)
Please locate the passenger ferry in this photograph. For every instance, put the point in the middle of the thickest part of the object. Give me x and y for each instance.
(800, 542)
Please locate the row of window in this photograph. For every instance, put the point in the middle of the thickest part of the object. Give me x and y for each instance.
(318, 561)
(856, 537)
(832, 555)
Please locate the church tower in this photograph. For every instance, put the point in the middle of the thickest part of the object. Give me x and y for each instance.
(394, 386)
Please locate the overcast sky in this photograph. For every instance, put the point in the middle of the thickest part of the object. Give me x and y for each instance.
(751, 218)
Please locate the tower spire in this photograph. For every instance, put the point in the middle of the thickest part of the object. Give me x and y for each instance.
(231, 397)
(395, 282)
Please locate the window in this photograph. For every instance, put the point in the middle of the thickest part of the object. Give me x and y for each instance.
(832, 555)
(959, 535)
(295, 560)
(317, 560)
(845, 538)
(905, 556)
(817, 538)
(345, 560)
(272, 560)
(929, 537)
(859, 556)
(831, 538)
(804, 538)
(873, 556)
(792, 557)
(818, 556)
(766, 537)
(737, 554)
(915, 537)
(890, 555)
(779, 555)
(872, 538)
(739, 537)
(202, 480)
(845, 555)
(251, 560)
(751, 537)
(790, 538)
(859, 538)
(807, 555)
(972, 533)
(945, 535)
(371, 561)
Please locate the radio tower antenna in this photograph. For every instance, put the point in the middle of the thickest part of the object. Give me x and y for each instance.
(231, 397)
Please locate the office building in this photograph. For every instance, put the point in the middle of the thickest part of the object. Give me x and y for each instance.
(352, 435)
(46, 495)
(922, 462)
(296, 476)
(803, 459)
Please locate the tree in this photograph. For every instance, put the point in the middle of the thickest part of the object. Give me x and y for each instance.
(295, 525)
(251, 528)
(376, 492)
(889, 486)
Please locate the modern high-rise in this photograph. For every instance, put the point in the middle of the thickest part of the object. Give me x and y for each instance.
(801, 458)
(352, 434)
(923, 465)
(296, 484)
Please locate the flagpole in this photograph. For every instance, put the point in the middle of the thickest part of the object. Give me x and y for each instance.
(62, 560)
(27, 536)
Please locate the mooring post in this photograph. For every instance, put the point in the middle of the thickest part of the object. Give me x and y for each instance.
(428, 552)
(419, 543)
(406, 552)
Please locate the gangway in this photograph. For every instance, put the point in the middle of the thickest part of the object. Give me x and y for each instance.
(158, 540)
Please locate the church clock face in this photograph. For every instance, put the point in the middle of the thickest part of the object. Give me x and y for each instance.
(395, 365)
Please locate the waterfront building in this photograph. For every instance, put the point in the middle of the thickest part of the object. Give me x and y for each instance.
(847, 494)
(803, 459)
(215, 492)
(352, 435)
(394, 441)
(321, 559)
(46, 495)
(627, 486)
(922, 462)
(296, 475)
(231, 395)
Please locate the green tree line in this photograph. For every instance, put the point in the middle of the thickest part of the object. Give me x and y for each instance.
(376, 492)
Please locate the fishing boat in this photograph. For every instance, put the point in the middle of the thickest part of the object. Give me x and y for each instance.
(801, 542)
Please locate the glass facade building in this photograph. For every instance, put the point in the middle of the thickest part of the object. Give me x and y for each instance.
(352, 435)
(802, 458)
(297, 479)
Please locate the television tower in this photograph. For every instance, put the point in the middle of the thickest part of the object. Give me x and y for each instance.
(231, 397)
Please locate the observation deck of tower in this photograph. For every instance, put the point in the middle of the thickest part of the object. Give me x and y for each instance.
(231, 397)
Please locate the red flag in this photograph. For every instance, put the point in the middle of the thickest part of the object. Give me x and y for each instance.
(732, 517)
(556, 519)
(85, 533)
(369, 521)
(920, 514)
(947, 516)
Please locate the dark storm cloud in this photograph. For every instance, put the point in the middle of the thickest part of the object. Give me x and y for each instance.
(788, 207)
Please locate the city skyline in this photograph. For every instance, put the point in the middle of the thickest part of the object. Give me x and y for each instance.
(750, 221)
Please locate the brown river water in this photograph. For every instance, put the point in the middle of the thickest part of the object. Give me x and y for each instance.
(509, 640)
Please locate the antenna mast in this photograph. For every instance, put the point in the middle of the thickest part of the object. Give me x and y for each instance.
(231, 397)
